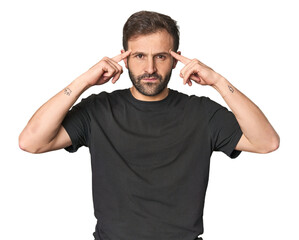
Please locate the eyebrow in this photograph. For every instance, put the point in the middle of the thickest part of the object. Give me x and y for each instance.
(159, 53)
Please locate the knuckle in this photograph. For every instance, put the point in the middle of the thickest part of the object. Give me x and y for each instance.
(106, 59)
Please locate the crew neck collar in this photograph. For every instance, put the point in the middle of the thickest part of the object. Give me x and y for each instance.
(134, 100)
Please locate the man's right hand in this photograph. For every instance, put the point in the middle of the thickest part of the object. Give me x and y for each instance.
(106, 69)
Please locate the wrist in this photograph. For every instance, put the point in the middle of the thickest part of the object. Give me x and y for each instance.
(223, 86)
(79, 85)
(84, 80)
(219, 83)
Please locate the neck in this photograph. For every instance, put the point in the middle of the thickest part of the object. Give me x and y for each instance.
(139, 96)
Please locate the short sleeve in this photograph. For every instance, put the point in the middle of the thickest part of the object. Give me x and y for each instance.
(224, 129)
(77, 125)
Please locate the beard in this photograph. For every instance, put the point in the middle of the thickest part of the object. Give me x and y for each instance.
(150, 88)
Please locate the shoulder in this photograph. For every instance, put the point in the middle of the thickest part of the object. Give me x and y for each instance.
(202, 104)
(194, 99)
(103, 97)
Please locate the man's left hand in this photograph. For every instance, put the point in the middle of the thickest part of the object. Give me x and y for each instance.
(196, 71)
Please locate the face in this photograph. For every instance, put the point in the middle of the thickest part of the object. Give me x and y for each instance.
(150, 63)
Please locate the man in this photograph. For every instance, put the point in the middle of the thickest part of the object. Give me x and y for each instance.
(150, 145)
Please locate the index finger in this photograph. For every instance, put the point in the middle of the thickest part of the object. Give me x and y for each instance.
(121, 56)
(180, 57)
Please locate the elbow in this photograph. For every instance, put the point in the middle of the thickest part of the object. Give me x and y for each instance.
(272, 145)
(24, 144)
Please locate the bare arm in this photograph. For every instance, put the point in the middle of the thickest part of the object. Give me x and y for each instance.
(41, 130)
(258, 134)
(44, 131)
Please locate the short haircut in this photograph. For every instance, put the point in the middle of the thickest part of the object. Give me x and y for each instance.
(146, 22)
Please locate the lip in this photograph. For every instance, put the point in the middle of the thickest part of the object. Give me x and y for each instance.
(150, 79)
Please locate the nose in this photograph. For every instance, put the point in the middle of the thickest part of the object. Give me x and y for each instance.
(150, 67)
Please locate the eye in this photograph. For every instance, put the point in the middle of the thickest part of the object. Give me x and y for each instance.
(161, 57)
(139, 55)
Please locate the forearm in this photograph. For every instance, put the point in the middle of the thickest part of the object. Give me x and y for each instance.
(258, 134)
(46, 122)
(44, 132)
(254, 124)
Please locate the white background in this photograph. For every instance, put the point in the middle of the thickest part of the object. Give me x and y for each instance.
(47, 44)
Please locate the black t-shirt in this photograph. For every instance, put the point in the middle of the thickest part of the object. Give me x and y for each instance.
(150, 161)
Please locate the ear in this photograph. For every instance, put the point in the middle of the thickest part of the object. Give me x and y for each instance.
(125, 60)
(175, 61)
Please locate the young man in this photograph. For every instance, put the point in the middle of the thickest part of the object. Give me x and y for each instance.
(150, 145)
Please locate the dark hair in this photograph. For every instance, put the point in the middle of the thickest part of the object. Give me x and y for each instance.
(145, 22)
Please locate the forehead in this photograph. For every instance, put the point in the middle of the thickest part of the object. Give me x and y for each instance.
(159, 41)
